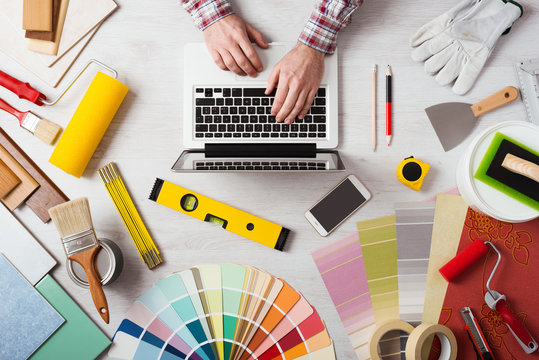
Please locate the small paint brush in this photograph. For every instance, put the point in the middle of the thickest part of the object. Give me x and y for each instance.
(74, 223)
(44, 130)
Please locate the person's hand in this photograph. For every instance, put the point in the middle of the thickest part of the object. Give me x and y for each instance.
(297, 77)
(229, 43)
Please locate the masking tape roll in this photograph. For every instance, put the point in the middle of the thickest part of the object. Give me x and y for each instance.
(422, 332)
(383, 328)
(88, 125)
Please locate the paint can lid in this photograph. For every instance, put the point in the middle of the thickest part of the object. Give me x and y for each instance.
(109, 263)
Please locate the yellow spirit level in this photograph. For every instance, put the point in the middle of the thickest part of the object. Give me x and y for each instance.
(411, 172)
(231, 219)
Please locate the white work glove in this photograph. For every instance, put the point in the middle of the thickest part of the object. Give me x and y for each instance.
(461, 50)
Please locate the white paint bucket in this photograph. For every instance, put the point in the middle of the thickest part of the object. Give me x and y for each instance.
(482, 197)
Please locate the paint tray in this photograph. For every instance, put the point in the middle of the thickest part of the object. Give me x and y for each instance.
(491, 172)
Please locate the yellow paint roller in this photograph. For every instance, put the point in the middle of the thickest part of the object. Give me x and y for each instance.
(89, 123)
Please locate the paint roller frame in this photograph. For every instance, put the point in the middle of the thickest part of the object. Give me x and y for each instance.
(92, 61)
(494, 300)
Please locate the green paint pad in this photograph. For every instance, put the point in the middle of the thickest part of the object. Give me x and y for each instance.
(491, 172)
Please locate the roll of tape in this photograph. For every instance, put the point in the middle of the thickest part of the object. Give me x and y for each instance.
(382, 329)
(421, 333)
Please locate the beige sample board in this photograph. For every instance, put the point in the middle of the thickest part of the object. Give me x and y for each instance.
(82, 17)
(13, 44)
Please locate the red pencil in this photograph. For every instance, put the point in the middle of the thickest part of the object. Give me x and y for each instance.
(388, 105)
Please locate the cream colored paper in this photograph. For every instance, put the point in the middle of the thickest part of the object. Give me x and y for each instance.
(449, 217)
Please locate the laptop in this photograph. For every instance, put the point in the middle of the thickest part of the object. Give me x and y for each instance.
(228, 126)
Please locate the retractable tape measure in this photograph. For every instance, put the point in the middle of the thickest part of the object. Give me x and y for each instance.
(411, 172)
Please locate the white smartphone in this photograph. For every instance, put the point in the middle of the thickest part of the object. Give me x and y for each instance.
(338, 205)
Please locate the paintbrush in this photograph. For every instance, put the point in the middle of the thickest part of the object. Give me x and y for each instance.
(44, 130)
(74, 223)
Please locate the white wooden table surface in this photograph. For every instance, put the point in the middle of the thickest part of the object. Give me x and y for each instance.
(144, 41)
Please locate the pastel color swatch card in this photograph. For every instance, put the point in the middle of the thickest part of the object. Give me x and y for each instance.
(449, 216)
(221, 311)
(342, 269)
(28, 320)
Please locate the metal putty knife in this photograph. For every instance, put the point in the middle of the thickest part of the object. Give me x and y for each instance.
(454, 121)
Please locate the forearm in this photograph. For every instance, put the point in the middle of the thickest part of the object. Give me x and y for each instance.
(327, 19)
(206, 12)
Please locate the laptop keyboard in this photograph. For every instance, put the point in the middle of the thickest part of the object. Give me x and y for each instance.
(260, 165)
(234, 113)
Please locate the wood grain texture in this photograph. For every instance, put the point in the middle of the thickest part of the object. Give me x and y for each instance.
(494, 101)
(86, 259)
(48, 194)
(28, 185)
(144, 41)
(51, 47)
(37, 15)
(8, 179)
(520, 166)
(47, 35)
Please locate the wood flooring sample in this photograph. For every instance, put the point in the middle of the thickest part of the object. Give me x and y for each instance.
(8, 179)
(51, 47)
(48, 194)
(37, 15)
(47, 35)
(27, 186)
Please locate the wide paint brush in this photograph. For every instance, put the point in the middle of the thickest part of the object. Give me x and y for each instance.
(74, 223)
(44, 130)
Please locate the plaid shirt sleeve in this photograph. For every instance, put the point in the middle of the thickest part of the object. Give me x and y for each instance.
(206, 12)
(327, 19)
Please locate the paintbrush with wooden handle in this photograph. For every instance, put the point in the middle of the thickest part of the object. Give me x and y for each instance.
(43, 129)
(74, 223)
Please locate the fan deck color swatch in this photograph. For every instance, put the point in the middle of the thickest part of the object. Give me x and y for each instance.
(218, 312)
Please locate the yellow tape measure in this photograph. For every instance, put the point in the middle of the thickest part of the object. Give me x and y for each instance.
(411, 172)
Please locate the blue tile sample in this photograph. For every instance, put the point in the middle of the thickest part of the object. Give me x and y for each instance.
(27, 319)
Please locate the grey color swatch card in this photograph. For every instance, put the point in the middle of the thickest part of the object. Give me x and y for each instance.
(414, 232)
(28, 320)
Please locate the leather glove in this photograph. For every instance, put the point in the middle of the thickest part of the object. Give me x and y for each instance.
(461, 50)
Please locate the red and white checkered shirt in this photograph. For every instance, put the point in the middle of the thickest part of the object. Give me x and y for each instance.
(320, 33)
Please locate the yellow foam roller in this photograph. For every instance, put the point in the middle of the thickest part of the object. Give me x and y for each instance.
(88, 125)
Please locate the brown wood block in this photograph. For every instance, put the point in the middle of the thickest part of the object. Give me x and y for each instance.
(48, 194)
(8, 179)
(27, 186)
(47, 35)
(37, 15)
(51, 47)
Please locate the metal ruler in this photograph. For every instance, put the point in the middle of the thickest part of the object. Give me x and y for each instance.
(527, 72)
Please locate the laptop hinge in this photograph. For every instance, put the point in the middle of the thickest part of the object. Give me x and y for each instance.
(261, 150)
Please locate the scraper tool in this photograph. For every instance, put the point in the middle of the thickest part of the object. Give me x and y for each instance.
(454, 121)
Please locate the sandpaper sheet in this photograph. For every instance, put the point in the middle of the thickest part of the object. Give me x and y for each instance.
(519, 247)
(48, 194)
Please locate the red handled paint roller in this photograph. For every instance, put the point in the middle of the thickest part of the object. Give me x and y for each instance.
(494, 299)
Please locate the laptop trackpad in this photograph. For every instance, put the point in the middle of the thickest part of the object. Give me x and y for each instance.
(269, 57)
